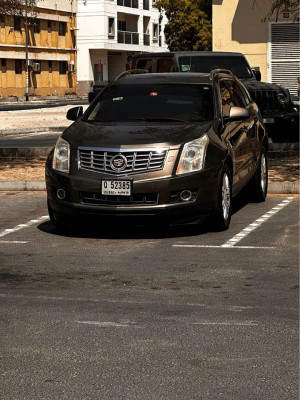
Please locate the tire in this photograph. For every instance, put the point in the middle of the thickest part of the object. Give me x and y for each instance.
(259, 182)
(223, 207)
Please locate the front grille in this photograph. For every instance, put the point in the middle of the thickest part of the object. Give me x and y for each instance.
(266, 100)
(99, 160)
(137, 198)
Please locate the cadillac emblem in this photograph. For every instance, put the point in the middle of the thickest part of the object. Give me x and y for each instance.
(118, 163)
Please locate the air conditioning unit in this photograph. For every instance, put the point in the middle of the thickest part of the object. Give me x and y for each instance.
(71, 67)
(36, 67)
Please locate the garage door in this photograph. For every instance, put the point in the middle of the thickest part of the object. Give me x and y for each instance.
(284, 55)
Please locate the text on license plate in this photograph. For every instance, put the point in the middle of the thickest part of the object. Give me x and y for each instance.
(116, 188)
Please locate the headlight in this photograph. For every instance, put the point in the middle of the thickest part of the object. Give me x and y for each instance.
(193, 156)
(282, 97)
(61, 157)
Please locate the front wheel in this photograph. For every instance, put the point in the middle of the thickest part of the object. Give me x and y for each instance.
(259, 183)
(222, 211)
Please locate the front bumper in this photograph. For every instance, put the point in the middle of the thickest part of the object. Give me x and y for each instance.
(152, 199)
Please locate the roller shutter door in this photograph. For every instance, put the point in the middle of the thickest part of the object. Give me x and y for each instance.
(284, 55)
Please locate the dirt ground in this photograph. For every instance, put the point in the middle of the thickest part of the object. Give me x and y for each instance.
(280, 169)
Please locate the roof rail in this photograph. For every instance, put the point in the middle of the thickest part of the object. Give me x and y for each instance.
(219, 71)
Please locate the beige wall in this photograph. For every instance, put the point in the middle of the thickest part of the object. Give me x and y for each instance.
(238, 26)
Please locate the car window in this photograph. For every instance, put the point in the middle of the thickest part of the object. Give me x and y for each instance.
(237, 65)
(178, 102)
(165, 65)
(231, 96)
(145, 64)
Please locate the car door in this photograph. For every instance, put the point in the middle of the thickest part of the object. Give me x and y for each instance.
(237, 134)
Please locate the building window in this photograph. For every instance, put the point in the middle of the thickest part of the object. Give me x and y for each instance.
(62, 28)
(36, 26)
(17, 24)
(122, 26)
(63, 67)
(2, 19)
(18, 66)
(49, 25)
(155, 32)
(50, 66)
(111, 26)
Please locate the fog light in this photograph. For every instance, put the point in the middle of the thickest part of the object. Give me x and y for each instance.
(186, 195)
(61, 194)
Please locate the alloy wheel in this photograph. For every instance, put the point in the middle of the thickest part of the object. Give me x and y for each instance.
(226, 196)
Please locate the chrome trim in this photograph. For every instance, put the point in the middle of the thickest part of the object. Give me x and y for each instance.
(138, 160)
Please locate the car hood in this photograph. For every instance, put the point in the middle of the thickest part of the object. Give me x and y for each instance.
(256, 85)
(86, 134)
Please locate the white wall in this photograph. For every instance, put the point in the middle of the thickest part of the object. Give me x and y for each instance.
(93, 42)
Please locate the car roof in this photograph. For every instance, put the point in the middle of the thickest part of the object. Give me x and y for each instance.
(189, 53)
(165, 78)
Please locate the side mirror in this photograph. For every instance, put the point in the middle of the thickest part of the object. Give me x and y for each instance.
(237, 114)
(91, 96)
(74, 113)
(257, 73)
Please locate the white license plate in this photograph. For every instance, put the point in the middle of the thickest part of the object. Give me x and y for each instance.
(116, 187)
(268, 120)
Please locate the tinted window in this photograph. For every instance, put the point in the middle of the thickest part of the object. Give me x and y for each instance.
(160, 101)
(237, 65)
(164, 65)
(231, 96)
(145, 64)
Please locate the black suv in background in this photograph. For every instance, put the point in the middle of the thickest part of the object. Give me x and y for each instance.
(274, 102)
(168, 147)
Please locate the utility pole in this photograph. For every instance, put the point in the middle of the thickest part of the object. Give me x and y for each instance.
(26, 53)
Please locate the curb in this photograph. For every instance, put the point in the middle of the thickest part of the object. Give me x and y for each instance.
(40, 185)
(8, 132)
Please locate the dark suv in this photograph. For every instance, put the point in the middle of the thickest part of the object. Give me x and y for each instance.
(274, 102)
(167, 147)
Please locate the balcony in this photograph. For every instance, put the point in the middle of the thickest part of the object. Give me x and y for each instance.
(129, 3)
(128, 37)
(146, 39)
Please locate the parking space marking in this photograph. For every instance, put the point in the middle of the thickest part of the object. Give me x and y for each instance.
(231, 243)
(22, 226)
(13, 242)
(258, 222)
(126, 324)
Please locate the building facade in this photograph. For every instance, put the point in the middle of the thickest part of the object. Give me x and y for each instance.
(52, 53)
(272, 45)
(109, 31)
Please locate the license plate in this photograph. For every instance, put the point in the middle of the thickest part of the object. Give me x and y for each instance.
(116, 187)
(268, 120)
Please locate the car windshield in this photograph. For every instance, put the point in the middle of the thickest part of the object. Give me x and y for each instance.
(157, 102)
(237, 65)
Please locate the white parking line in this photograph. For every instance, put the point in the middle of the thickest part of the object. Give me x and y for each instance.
(22, 226)
(108, 324)
(228, 323)
(258, 222)
(231, 243)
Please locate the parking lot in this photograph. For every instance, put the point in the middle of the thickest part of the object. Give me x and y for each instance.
(139, 312)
